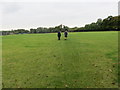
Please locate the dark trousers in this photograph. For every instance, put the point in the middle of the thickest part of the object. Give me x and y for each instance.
(58, 38)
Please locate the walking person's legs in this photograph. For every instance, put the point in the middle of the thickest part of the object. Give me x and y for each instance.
(65, 37)
(58, 38)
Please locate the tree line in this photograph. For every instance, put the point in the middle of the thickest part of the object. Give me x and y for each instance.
(108, 24)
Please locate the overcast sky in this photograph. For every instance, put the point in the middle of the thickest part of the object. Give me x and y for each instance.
(26, 14)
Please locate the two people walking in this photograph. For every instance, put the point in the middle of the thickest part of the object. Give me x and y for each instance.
(65, 35)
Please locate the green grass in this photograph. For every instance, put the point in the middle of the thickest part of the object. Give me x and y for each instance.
(85, 60)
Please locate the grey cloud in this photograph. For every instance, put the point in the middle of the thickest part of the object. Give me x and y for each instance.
(119, 8)
(10, 7)
(28, 15)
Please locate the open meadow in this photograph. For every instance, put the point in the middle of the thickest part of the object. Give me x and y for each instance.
(85, 60)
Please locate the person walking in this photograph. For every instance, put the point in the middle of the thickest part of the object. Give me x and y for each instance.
(66, 34)
(59, 35)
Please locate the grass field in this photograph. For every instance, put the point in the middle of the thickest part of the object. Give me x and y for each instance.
(85, 60)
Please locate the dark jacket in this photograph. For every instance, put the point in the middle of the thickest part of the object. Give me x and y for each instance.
(65, 33)
(59, 34)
